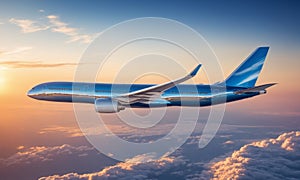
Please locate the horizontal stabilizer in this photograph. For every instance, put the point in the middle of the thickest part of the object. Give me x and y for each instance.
(256, 89)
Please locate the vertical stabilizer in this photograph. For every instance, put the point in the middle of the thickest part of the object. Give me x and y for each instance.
(247, 73)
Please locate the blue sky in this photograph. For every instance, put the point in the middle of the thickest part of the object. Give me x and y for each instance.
(260, 18)
(242, 23)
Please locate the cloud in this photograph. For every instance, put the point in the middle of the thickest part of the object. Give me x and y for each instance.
(61, 27)
(28, 26)
(228, 142)
(71, 131)
(43, 154)
(20, 147)
(55, 25)
(139, 167)
(267, 159)
(33, 64)
(16, 51)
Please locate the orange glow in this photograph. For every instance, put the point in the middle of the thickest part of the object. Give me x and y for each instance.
(17, 108)
(2, 81)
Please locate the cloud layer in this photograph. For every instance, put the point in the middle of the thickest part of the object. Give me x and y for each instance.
(267, 159)
(140, 167)
(43, 154)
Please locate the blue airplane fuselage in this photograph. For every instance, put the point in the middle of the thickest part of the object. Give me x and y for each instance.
(180, 95)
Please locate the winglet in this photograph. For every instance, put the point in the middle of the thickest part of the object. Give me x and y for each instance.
(194, 72)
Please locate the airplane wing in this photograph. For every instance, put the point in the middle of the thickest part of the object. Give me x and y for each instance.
(153, 92)
(255, 89)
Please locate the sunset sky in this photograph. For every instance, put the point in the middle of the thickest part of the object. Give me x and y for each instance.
(43, 41)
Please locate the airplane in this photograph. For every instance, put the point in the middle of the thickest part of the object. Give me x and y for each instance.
(112, 98)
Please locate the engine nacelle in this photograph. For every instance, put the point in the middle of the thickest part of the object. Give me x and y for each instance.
(107, 105)
(262, 92)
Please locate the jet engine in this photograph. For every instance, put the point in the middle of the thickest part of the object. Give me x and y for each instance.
(107, 105)
(262, 92)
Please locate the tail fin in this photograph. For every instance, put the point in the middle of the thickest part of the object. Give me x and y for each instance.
(247, 73)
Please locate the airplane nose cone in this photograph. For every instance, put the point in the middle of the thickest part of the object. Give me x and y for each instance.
(35, 92)
(30, 93)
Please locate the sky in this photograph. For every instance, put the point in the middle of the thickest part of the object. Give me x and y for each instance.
(44, 41)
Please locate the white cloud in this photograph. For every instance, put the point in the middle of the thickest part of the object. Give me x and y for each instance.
(16, 51)
(139, 167)
(28, 26)
(267, 159)
(228, 142)
(43, 153)
(61, 27)
(55, 25)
